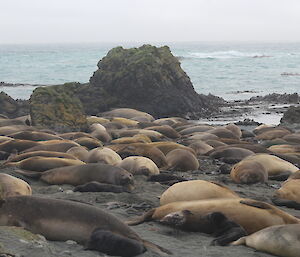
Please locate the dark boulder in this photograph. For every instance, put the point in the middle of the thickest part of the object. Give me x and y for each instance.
(148, 79)
(291, 116)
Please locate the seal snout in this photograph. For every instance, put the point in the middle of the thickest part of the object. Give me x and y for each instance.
(176, 218)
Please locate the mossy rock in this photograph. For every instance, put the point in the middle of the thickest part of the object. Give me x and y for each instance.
(58, 108)
(13, 108)
(148, 79)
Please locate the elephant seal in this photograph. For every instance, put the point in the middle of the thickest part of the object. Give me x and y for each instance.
(139, 165)
(195, 190)
(74, 135)
(103, 155)
(249, 172)
(139, 138)
(166, 130)
(281, 240)
(128, 113)
(223, 133)
(18, 145)
(88, 142)
(40, 164)
(234, 129)
(79, 152)
(139, 149)
(201, 148)
(252, 215)
(124, 121)
(22, 156)
(224, 229)
(95, 119)
(230, 154)
(194, 129)
(100, 187)
(81, 174)
(289, 194)
(12, 186)
(34, 136)
(57, 147)
(183, 160)
(272, 134)
(273, 164)
(167, 147)
(283, 149)
(51, 218)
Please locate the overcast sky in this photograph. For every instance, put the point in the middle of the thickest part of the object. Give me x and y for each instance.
(54, 21)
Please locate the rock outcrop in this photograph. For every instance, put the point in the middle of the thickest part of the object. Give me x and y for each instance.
(148, 79)
(58, 108)
(291, 116)
(13, 108)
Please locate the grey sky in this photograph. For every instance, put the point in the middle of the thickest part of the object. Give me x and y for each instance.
(44, 21)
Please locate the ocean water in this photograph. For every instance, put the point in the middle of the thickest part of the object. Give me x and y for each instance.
(230, 70)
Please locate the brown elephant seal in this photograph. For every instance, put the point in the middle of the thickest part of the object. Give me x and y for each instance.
(40, 164)
(223, 133)
(88, 142)
(272, 134)
(283, 149)
(279, 240)
(6, 130)
(171, 121)
(215, 143)
(103, 155)
(249, 172)
(166, 130)
(230, 154)
(102, 135)
(201, 148)
(124, 121)
(167, 147)
(153, 135)
(81, 174)
(139, 138)
(51, 218)
(79, 152)
(95, 119)
(293, 138)
(34, 136)
(100, 187)
(273, 164)
(182, 160)
(127, 113)
(4, 139)
(22, 156)
(58, 147)
(194, 129)
(17, 145)
(224, 229)
(234, 129)
(139, 149)
(12, 186)
(74, 135)
(195, 190)
(289, 194)
(139, 165)
(250, 214)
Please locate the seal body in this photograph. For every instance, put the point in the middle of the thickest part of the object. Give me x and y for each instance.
(248, 172)
(195, 190)
(51, 218)
(12, 186)
(281, 240)
(139, 165)
(183, 160)
(250, 214)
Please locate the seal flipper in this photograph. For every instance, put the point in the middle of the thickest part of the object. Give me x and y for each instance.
(233, 235)
(257, 204)
(241, 241)
(156, 248)
(30, 174)
(281, 177)
(145, 217)
(287, 203)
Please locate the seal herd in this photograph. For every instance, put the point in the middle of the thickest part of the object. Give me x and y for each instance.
(125, 143)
